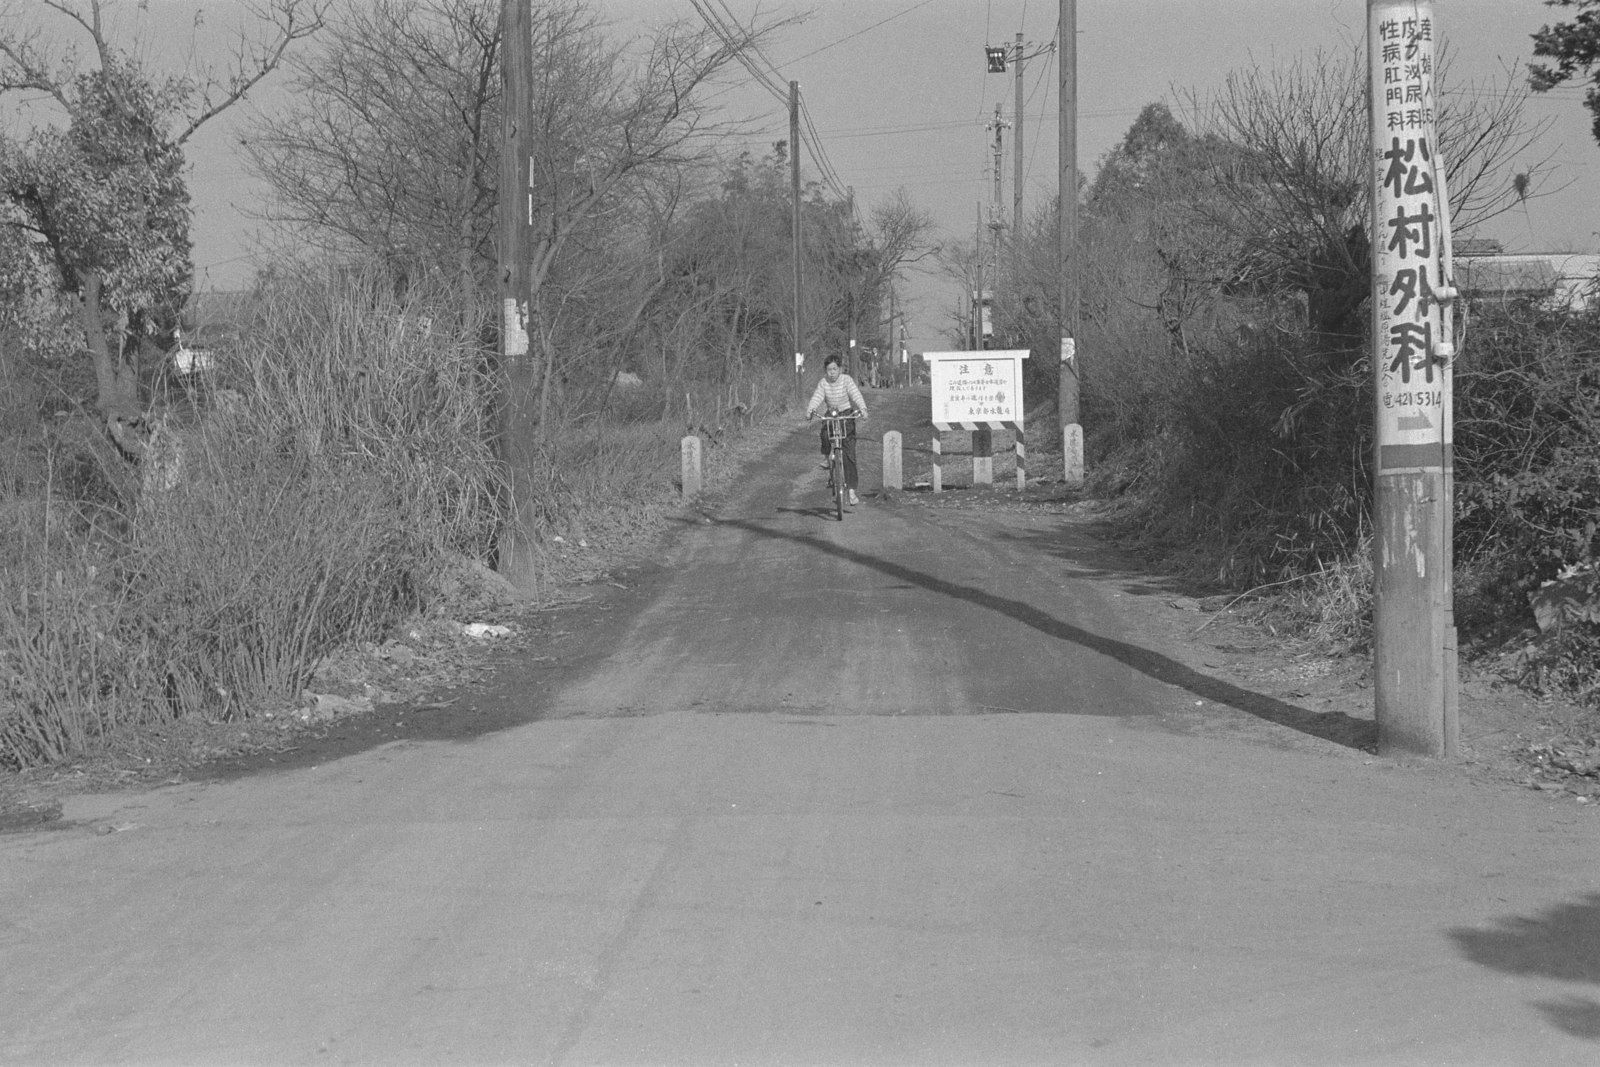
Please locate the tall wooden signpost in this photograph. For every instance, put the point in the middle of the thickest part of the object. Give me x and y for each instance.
(1413, 618)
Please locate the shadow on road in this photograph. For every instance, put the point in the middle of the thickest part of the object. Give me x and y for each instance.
(1562, 943)
(811, 513)
(1337, 727)
(1095, 560)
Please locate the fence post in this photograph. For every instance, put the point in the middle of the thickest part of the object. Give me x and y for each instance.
(893, 473)
(1021, 447)
(691, 467)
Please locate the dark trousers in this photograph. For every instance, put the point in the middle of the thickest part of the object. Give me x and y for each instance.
(849, 450)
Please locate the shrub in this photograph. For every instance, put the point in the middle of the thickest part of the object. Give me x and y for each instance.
(342, 460)
(344, 457)
(1259, 471)
(256, 564)
(1527, 436)
(73, 665)
(349, 373)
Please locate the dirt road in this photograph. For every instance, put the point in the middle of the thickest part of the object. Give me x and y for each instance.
(908, 789)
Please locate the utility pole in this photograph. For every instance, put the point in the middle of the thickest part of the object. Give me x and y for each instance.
(852, 366)
(1016, 174)
(1067, 255)
(998, 56)
(979, 309)
(999, 126)
(997, 221)
(853, 359)
(902, 355)
(894, 351)
(997, 214)
(794, 194)
(517, 422)
(1414, 635)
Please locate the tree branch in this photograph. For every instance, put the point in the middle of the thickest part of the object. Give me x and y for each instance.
(287, 16)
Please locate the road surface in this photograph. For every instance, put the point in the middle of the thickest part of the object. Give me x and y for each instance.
(913, 788)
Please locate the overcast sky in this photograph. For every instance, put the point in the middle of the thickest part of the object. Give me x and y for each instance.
(898, 94)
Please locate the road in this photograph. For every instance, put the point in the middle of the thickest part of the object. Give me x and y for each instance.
(913, 788)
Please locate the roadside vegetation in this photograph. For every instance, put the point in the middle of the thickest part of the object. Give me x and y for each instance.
(1226, 378)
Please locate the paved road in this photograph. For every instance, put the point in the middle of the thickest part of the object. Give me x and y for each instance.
(914, 788)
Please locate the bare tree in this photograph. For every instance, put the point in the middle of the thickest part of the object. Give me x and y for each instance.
(899, 235)
(603, 125)
(390, 145)
(1296, 193)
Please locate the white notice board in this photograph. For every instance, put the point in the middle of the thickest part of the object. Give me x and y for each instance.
(975, 389)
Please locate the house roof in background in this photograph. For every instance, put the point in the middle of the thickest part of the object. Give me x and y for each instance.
(1506, 275)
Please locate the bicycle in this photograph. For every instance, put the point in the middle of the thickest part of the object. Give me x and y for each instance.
(836, 423)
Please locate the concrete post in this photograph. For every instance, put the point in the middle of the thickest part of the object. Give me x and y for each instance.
(982, 456)
(1021, 447)
(893, 476)
(691, 467)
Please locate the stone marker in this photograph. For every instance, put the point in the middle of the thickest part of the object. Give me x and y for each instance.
(1072, 452)
(893, 476)
(691, 467)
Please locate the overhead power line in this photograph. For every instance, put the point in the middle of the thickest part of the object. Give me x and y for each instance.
(723, 23)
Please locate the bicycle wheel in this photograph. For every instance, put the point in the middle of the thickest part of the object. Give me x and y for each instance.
(838, 486)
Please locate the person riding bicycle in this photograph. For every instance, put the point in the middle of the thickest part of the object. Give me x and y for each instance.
(838, 392)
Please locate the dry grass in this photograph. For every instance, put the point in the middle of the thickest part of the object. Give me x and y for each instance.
(322, 492)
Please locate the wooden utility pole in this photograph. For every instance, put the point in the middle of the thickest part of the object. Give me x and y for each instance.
(853, 357)
(997, 212)
(794, 194)
(1414, 638)
(977, 293)
(1067, 255)
(894, 352)
(1016, 181)
(517, 429)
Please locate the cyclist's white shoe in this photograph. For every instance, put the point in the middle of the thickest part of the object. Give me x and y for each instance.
(854, 500)
(824, 465)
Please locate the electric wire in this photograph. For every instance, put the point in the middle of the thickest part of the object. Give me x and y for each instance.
(861, 32)
(767, 75)
(1039, 82)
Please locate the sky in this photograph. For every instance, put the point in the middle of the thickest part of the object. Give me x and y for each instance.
(897, 94)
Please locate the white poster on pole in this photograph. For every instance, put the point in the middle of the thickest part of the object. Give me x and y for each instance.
(1412, 369)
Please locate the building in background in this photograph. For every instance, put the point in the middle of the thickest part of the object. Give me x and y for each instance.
(1486, 275)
